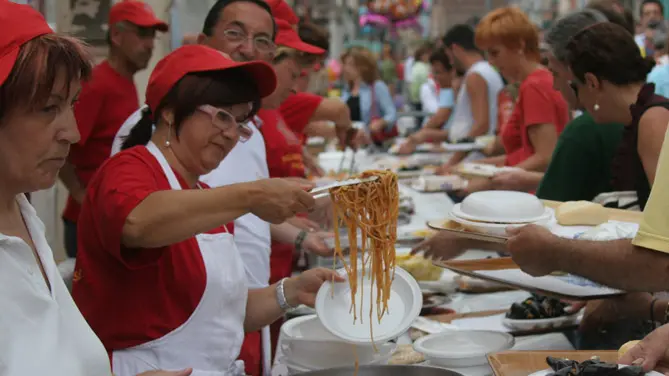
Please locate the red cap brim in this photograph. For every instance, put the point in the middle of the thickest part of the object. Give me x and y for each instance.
(7, 64)
(304, 47)
(263, 74)
(154, 24)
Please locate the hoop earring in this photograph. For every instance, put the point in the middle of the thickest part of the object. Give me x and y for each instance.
(169, 134)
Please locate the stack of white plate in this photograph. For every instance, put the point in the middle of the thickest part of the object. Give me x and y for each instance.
(492, 212)
(307, 346)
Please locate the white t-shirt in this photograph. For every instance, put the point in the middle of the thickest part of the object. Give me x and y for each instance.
(462, 116)
(247, 162)
(429, 96)
(42, 331)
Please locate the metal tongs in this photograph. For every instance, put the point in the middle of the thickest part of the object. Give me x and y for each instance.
(324, 191)
(349, 138)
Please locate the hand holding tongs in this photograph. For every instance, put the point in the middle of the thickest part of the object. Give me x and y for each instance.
(324, 191)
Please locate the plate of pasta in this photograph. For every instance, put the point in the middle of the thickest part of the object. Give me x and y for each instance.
(380, 300)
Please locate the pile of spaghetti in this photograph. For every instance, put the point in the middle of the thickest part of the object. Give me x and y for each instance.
(369, 209)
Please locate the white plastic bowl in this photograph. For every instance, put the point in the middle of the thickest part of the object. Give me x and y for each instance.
(462, 348)
(307, 344)
(501, 207)
(333, 303)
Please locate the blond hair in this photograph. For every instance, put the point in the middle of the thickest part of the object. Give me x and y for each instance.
(365, 62)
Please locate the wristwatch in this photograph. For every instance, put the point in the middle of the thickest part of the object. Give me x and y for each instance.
(281, 297)
(299, 240)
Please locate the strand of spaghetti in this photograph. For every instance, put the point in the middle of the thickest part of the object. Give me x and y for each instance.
(353, 249)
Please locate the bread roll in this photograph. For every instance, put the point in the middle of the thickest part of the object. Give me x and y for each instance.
(626, 347)
(581, 213)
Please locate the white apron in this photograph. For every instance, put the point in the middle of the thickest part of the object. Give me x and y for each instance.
(210, 340)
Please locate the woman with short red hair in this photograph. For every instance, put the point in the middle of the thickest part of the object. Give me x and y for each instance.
(511, 42)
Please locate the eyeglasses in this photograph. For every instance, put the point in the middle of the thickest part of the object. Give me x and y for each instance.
(225, 121)
(260, 43)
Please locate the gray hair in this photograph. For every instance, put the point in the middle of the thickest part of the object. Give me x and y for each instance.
(559, 35)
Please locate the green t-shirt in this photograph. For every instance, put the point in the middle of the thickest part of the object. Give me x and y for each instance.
(420, 72)
(581, 165)
(388, 71)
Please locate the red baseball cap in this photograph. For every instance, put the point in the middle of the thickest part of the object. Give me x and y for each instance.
(287, 37)
(21, 23)
(136, 12)
(282, 11)
(199, 58)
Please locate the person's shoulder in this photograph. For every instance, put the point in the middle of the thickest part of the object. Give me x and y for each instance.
(659, 73)
(539, 79)
(102, 73)
(268, 118)
(136, 157)
(584, 130)
(380, 85)
(102, 78)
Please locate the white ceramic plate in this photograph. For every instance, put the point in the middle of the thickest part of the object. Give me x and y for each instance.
(430, 148)
(409, 174)
(501, 206)
(333, 303)
(483, 170)
(469, 146)
(549, 371)
(446, 183)
(538, 324)
(462, 348)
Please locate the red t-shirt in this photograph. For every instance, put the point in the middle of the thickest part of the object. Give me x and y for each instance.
(284, 159)
(105, 102)
(132, 296)
(504, 109)
(297, 110)
(538, 103)
(284, 148)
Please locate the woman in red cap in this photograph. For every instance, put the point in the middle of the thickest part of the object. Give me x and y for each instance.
(43, 333)
(158, 276)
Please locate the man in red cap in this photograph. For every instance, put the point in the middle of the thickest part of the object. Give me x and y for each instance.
(282, 11)
(106, 101)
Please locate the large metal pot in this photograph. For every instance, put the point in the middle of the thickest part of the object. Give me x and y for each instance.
(384, 371)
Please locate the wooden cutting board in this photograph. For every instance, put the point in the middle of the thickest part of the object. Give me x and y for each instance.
(524, 363)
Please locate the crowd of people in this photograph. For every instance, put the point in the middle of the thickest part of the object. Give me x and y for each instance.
(188, 215)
